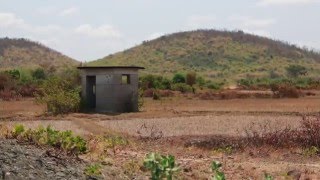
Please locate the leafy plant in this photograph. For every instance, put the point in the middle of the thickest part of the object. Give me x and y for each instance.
(268, 176)
(216, 168)
(64, 140)
(160, 166)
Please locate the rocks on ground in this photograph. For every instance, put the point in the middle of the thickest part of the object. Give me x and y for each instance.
(28, 162)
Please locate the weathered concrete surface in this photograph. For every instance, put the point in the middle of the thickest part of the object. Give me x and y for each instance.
(111, 94)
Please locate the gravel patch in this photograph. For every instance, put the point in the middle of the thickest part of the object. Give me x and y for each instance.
(28, 162)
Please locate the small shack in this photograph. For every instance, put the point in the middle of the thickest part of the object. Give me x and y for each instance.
(110, 88)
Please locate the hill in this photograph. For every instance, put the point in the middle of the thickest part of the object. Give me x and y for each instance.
(219, 55)
(23, 53)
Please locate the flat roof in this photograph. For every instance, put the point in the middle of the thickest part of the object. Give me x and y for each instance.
(110, 67)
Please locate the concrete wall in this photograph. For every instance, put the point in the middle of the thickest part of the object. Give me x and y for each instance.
(111, 94)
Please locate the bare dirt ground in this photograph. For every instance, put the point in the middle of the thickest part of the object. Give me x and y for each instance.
(179, 119)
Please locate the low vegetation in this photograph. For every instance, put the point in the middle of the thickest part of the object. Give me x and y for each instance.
(216, 169)
(93, 170)
(60, 96)
(160, 166)
(61, 140)
(305, 137)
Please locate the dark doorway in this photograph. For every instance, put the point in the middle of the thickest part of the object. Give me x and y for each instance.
(91, 92)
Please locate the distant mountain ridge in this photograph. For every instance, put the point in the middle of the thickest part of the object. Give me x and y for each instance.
(24, 53)
(224, 55)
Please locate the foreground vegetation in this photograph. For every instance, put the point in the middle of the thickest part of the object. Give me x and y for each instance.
(159, 166)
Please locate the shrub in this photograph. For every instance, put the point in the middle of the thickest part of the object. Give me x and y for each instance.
(182, 87)
(7, 82)
(285, 90)
(59, 96)
(214, 86)
(296, 70)
(38, 74)
(178, 78)
(25, 76)
(13, 73)
(156, 95)
(140, 99)
(154, 82)
(191, 78)
(160, 166)
(200, 81)
(18, 130)
(28, 90)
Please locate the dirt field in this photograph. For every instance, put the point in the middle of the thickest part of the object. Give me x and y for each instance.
(175, 116)
(181, 118)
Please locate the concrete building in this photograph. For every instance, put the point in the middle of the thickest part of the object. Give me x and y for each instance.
(110, 88)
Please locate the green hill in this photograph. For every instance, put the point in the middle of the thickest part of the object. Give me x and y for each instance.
(23, 53)
(222, 55)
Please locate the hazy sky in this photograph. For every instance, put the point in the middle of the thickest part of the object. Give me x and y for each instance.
(88, 30)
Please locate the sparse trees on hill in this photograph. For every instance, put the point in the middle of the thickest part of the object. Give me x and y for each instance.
(296, 70)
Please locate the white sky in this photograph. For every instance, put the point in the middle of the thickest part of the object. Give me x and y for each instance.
(88, 30)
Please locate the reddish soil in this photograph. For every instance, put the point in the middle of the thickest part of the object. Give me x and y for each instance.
(182, 119)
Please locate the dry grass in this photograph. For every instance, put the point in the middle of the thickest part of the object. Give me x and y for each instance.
(24, 107)
(229, 125)
(177, 116)
(187, 117)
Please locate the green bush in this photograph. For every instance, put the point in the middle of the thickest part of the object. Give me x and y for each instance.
(14, 73)
(182, 87)
(215, 86)
(38, 74)
(155, 82)
(200, 81)
(60, 96)
(178, 78)
(296, 70)
(161, 167)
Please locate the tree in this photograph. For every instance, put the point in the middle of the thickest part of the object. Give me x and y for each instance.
(296, 70)
(191, 78)
(200, 81)
(38, 74)
(178, 78)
